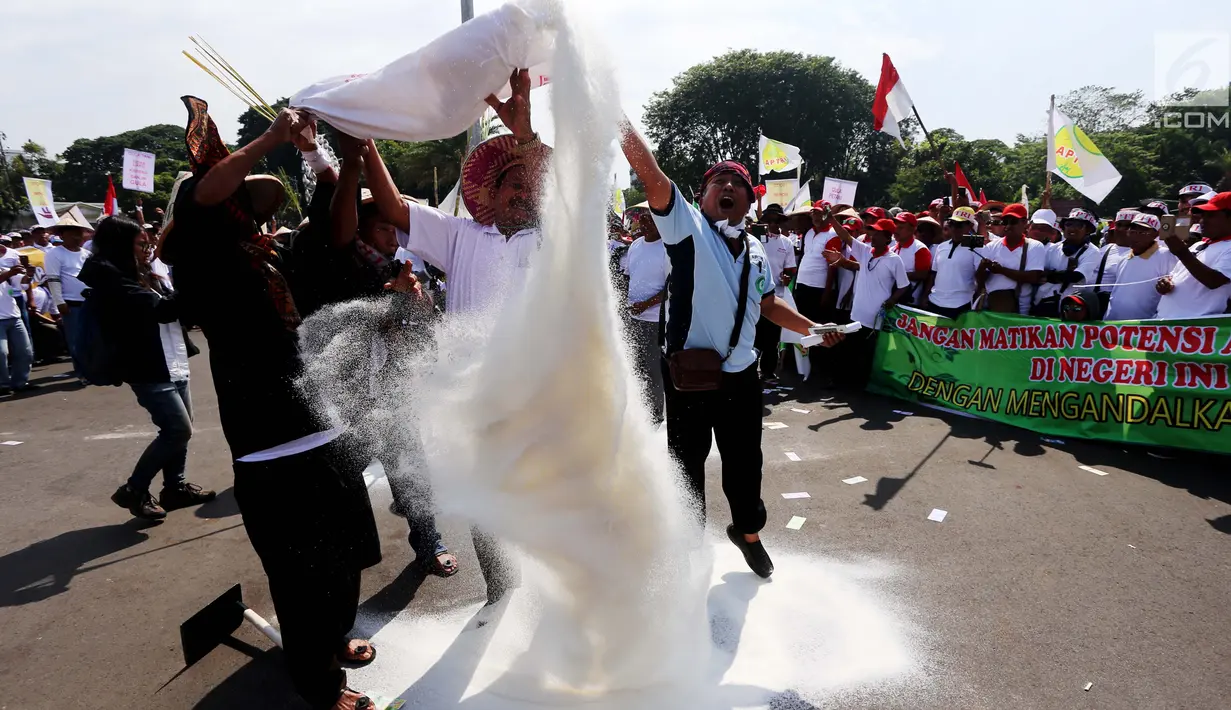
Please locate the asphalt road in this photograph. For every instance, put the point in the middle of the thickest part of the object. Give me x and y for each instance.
(1042, 578)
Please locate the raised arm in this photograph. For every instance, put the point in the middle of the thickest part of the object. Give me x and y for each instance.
(641, 158)
(384, 192)
(222, 180)
(344, 212)
(1209, 277)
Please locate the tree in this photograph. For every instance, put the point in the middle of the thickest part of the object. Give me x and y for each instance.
(715, 111)
(1100, 109)
(33, 161)
(417, 167)
(86, 163)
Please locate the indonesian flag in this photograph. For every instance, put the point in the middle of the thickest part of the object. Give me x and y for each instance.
(111, 205)
(892, 104)
(982, 197)
(962, 182)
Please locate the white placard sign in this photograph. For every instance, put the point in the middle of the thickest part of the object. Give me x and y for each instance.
(839, 192)
(138, 171)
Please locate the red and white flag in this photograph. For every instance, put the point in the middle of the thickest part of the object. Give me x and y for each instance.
(111, 205)
(892, 104)
(962, 182)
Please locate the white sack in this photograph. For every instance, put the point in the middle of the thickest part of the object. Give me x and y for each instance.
(438, 91)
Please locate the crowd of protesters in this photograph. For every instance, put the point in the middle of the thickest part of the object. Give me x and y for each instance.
(707, 297)
(1147, 261)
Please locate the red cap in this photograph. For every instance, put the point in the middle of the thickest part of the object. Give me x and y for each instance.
(1016, 209)
(885, 225)
(907, 218)
(855, 223)
(1217, 203)
(821, 205)
(876, 212)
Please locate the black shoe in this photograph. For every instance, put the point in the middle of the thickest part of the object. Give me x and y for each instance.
(754, 553)
(27, 388)
(141, 505)
(5, 391)
(185, 495)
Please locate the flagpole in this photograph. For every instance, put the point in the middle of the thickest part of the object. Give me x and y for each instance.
(939, 155)
(475, 134)
(1045, 201)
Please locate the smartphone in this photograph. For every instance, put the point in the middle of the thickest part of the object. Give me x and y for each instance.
(1178, 227)
(974, 241)
(25, 260)
(948, 202)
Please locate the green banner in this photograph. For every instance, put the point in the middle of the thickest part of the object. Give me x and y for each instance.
(1146, 382)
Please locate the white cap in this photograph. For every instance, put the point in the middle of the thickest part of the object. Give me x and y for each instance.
(1196, 229)
(1045, 216)
(1158, 205)
(1203, 198)
(1148, 220)
(1083, 215)
(1196, 188)
(1126, 215)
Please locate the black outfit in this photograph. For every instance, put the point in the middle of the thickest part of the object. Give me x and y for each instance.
(130, 315)
(768, 336)
(308, 515)
(733, 414)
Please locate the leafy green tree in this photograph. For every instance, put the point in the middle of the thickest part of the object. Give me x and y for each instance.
(715, 111)
(86, 163)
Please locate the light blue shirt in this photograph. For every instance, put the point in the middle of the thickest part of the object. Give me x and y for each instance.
(705, 285)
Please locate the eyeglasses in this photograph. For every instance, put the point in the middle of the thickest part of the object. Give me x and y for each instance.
(1010, 221)
(996, 223)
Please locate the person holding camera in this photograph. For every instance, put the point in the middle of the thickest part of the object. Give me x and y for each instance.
(951, 286)
(16, 351)
(1071, 261)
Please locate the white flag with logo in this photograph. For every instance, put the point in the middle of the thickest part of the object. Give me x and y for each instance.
(777, 157)
(1073, 156)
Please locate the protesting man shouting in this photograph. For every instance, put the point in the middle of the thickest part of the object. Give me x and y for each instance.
(721, 284)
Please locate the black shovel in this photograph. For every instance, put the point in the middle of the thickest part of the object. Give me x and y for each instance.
(217, 621)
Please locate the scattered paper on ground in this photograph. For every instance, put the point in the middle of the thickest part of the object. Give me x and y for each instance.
(1054, 441)
(10, 443)
(775, 425)
(792, 456)
(1089, 686)
(796, 523)
(1093, 470)
(801, 411)
(905, 414)
(854, 480)
(938, 515)
(790, 496)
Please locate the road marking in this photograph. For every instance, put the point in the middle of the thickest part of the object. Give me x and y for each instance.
(801, 411)
(792, 496)
(938, 515)
(1093, 470)
(792, 456)
(796, 523)
(853, 481)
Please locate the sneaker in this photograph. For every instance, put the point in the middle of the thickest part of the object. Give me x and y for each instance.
(185, 495)
(141, 505)
(26, 388)
(754, 553)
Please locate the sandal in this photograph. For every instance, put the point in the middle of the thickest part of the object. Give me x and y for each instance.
(360, 701)
(359, 655)
(443, 563)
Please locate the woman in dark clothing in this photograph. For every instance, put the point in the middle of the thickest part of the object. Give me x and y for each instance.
(139, 318)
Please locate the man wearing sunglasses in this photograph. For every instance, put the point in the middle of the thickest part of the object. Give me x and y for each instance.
(1012, 268)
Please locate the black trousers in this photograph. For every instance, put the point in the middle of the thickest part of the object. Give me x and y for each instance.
(310, 521)
(768, 336)
(315, 612)
(811, 302)
(731, 415)
(951, 313)
(863, 351)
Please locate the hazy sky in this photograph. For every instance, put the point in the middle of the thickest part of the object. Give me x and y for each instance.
(81, 68)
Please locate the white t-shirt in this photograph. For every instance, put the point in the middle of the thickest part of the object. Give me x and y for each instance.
(1115, 258)
(878, 278)
(480, 264)
(10, 288)
(1088, 258)
(1190, 298)
(64, 265)
(647, 267)
(954, 283)
(915, 257)
(43, 304)
(813, 269)
(1139, 301)
(781, 255)
(999, 252)
(162, 271)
